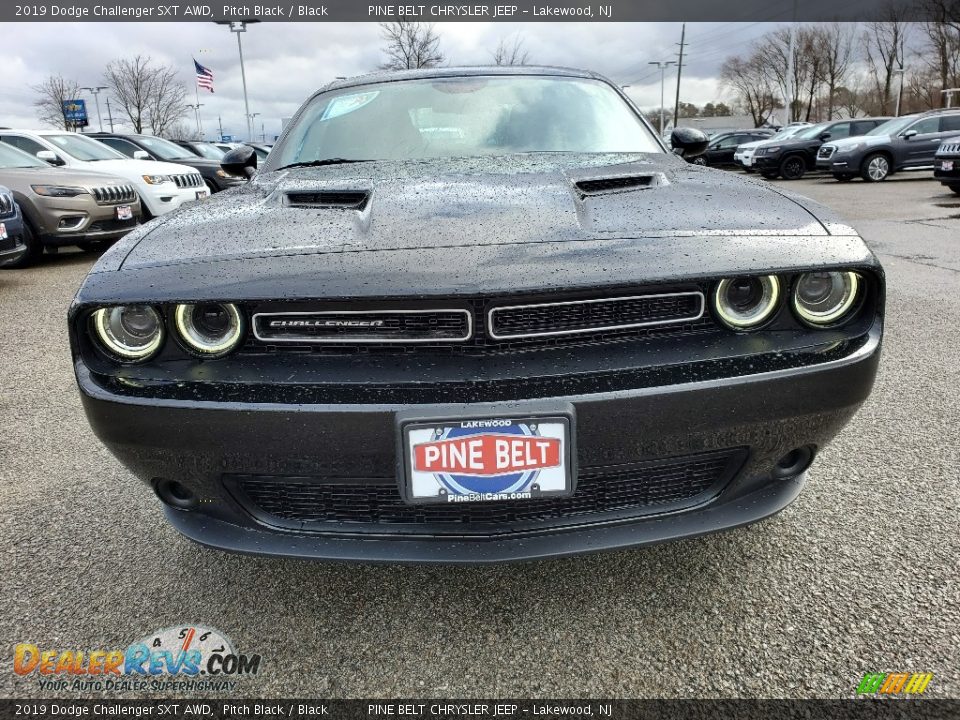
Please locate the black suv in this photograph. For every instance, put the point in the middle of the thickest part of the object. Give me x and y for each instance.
(149, 147)
(796, 155)
(722, 147)
(904, 143)
(947, 164)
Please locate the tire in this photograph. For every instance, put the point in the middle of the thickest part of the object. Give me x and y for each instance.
(792, 167)
(842, 177)
(34, 248)
(955, 188)
(749, 170)
(875, 167)
(699, 160)
(770, 174)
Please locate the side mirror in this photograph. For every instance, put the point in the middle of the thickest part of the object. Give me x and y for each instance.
(240, 162)
(825, 136)
(49, 156)
(909, 134)
(141, 155)
(689, 142)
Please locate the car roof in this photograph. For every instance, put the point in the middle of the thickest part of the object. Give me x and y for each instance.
(461, 71)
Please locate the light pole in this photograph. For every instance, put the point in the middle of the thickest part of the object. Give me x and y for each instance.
(240, 26)
(250, 118)
(95, 91)
(663, 65)
(899, 71)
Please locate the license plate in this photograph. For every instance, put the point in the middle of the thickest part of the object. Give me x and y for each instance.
(946, 165)
(487, 460)
(3, 232)
(201, 194)
(124, 212)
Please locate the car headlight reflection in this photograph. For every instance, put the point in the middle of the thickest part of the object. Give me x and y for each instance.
(209, 329)
(129, 332)
(743, 303)
(58, 190)
(157, 179)
(825, 298)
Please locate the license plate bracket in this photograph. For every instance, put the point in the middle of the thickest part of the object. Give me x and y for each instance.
(124, 212)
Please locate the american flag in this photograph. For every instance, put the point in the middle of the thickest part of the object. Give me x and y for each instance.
(204, 76)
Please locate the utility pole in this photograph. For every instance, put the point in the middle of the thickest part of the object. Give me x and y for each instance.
(95, 91)
(109, 115)
(790, 90)
(220, 123)
(899, 71)
(676, 106)
(663, 67)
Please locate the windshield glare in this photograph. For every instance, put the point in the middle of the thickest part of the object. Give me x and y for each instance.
(83, 148)
(810, 132)
(465, 116)
(164, 149)
(11, 157)
(208, 151)
(892, 127)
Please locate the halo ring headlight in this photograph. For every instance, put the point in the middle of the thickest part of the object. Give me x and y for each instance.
(129, 332)
(825, 297)
(209, 329)
(744, 303)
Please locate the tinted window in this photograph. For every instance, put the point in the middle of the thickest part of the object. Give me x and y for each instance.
(465, 117)
(863, 127)
(927, 125)
(12, 157)
(26, 144)
(949, 123)
(124, 146)
(728, 142)
(84, 148)
(164, 149)
(838, 131)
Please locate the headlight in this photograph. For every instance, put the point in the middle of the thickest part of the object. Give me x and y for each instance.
(743, 303)
(130, 332)
(58, 190)
(843, 150)
(222, 174)
(209, 329)
(825, 298)
(156, 179)
(769, 150)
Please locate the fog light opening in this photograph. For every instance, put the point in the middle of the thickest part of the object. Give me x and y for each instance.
(794, 462)
(175, 494)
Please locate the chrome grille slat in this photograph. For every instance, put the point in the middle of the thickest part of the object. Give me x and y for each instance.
(6, 205)
(188, 180)
(114, 194)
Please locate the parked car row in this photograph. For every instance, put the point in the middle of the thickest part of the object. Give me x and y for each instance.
(87, 190)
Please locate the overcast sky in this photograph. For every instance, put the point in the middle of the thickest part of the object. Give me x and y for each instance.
(285, 62)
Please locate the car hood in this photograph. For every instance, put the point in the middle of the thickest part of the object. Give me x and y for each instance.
(859, 140)
(20, 178)
(505, 225)
(136, 169)
(752, 144)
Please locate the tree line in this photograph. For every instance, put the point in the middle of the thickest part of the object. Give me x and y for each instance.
(849, 69)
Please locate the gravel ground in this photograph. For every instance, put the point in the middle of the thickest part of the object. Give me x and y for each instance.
(860, 574)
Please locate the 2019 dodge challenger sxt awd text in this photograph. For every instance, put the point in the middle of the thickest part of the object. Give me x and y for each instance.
(472, 315)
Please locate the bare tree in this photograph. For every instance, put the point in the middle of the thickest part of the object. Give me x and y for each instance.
(885, 48)
(834, 43)
(511, 52)
(182, 130)
(51, 94)
(752, 85)
(773, 52)
(410, 45)
(149, 94)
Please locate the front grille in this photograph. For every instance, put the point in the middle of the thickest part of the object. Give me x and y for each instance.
(6, 205)
(602, 493)
(188, 180)
(595, 315)
(951, 148)
(114, 194)
(111, 225)
(825, 152)
(374, 326)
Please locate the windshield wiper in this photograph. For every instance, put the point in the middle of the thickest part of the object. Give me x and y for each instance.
(320, 163)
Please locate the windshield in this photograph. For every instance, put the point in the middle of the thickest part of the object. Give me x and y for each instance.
(788, 132)
(810, 132)
(164, 149)
(84, 148)
(462, 117)
(11, 157)
(208, 151)
(892, 127)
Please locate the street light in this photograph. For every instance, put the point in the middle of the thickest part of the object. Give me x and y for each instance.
(899, 71)
(240, 26)
(95, 91)
(663, 65)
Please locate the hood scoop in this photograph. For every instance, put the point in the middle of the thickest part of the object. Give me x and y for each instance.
(341, 199)
(617, 184)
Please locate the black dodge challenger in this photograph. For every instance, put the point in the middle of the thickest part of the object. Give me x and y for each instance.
(476, 315)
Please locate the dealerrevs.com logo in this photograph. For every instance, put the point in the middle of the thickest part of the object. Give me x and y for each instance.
(183, 658)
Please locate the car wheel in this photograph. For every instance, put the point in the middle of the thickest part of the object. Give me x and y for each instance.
(770, 174)
(34, 248)
(842, 177)
(750, 170)
(793, 167)
(875, 168)
(699, 160)
(955, 188)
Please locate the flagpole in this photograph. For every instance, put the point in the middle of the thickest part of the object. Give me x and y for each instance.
(196, 90)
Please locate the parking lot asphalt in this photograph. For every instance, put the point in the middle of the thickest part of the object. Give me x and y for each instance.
(859, 575)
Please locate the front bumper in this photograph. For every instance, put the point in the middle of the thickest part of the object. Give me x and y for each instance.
(206, 445)
(65, 221)
(948, 177)
(766, 162)
(11, 249)
(161, 199)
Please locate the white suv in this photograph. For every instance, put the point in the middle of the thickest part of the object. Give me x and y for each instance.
(162, 186)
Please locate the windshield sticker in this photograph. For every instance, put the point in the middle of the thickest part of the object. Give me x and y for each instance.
(348, 104)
